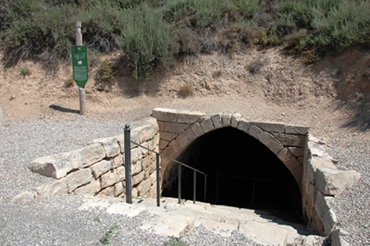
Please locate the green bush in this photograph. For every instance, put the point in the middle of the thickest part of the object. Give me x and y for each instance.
(147, 40)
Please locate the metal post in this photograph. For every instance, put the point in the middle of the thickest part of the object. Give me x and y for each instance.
(179, 185)
(158, 181)
(194, 186)
(205, 187)
(127, 141)
(81, 89)
(254, 191)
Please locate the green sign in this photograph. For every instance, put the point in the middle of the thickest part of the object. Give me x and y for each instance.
(79, 64)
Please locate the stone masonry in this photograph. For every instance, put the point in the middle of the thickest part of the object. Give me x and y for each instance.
(303, 155)
(99, 168)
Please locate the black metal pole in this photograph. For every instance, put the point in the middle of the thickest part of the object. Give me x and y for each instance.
(217, 174)
(194, 186)
(158, 181)
(179, 185)
(127, 143)
(205, 187)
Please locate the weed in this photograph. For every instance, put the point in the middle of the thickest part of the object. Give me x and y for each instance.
(217, 73)
(97, 219)
(107, 71)
(255, 66)
(69, 82)
(25, 71)
(186, 90)
(110, 233)
(175, 242)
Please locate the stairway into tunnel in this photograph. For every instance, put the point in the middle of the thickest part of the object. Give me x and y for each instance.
(242, 173)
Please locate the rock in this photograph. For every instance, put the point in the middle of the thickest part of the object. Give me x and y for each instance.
(78, 178)
(337, 238)
(325, 213)
(110, 146)
(91, 154)
(91, 188)
(333, 181)
(100, 168)
(27, 195)
(55, 166)
(112, 177)
(163, 114)
(56, 188)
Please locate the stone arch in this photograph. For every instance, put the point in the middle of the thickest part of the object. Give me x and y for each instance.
(179, 129)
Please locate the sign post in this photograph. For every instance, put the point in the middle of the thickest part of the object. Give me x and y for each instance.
(80, 68)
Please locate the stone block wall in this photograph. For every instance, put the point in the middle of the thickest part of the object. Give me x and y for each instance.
(99, 168)
(179, 128)
(304, 156)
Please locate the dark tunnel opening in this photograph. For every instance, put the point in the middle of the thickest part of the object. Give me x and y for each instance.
(244, 173)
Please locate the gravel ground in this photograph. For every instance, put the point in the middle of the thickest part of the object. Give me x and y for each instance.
(56, 221)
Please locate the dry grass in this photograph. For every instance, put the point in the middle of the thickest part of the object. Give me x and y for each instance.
(186, 90)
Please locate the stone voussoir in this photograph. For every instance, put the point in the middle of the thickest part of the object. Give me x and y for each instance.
(235, 120)
(217, 121)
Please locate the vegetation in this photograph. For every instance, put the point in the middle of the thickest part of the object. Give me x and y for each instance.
(175, 242)
(110, 233)
(152, 33)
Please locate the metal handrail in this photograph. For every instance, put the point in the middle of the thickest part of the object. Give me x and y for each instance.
(127, 144)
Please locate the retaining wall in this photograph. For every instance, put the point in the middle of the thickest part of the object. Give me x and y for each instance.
(99, 168)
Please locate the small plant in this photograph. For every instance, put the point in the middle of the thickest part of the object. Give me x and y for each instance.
(217, 73)
(107, 71)
(110, 233)
(96, 219)
(175, 242)
(25, 71)
(255, 66)
(186, 90)
(69, 82)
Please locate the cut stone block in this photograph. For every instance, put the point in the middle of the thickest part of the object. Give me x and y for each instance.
(190, 134)
(253, 130)
(217, 122)
(144, 187)
(91, 188)
(296, 151)
(110, 145)
(136, 168)
(226, 119)
(92, 154)
(197, 129)
(118, 189)
(168, 136)
(333, 181)
(270, 127)
(101, 167)
(284, 155)
(207, 125)
(109, 191)
(182, 140)
(117, 161)
(271, 142)
(112, 177)
(174, 127)
(164, 114)
(296, 130)
(56, 188)
(137, 178)
(55, 166)
(291, 140)
(189, 117)
(235, 120)
(78, 178)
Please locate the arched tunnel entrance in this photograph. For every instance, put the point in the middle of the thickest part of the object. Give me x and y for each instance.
(244, 172)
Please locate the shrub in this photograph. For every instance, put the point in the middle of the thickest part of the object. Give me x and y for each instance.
(69, 82)
(25, 71)
(107, 71)
(186, 90)
(147, 40)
